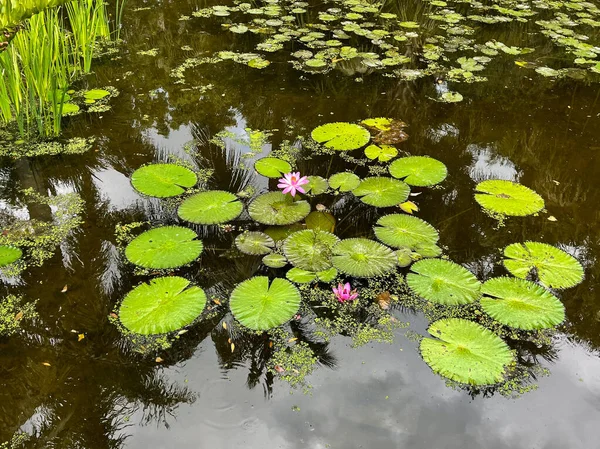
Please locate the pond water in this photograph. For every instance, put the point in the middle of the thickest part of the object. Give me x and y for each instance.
(96, 392)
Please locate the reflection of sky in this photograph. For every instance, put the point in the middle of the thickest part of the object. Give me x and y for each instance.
(381, 396)
(489, 165)
(115, 187)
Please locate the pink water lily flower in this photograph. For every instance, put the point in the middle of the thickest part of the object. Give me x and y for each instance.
(291, 182)
(343, 293)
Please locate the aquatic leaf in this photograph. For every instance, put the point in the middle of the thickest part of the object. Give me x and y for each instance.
(275, 208)
(210, 207)
(321, 221)
(9, 254)
(552, 266)
(309, 249)
(164, 305)
(164, 247)
(345, 181)
(379, 123)
(279, 233)
(399, 230)
(547, 71)
(258, 63)
(421, 171)
(382, 191)
(260, 306)
(382, 153)
(272, 167)
(316, 185)
(443, 282)
(451, 97)
(386, 131)
(69, 109)
(508, 198)
(163, 180)
(96, 94)
(274, 260)
(254, 243)
(409, 207)
(341, 136)
(465, 352)
(300, 276)
(363, 258)
(238, 29)
(327, 275)
(521, 304)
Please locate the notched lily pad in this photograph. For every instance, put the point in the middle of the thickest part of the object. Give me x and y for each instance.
(405, 231)
(254, 243)
(163, 180)
(344, 182)
(310, 249)
(507, 198)
(341, 136)
(272, 167)
(275, 208)
(381, 191)
(420, 171)
(363, 258)
(210, 207)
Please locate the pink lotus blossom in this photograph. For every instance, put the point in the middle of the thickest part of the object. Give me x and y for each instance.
(343, 293)
(291, 182)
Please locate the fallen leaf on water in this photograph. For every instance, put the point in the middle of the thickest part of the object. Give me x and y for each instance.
(224, 325)
(232, 347)
(181, 332)
(292, 339)
(114, 315)
(18, 316)
(409, 207)
(158, 360)
(80, 337)
(270, 344)
(229, 340)
(46, 364)
(279, 369)
(555, 182)
(552, 218)
(384, 299)
(415, 193)
(65, 288)
(217, 302)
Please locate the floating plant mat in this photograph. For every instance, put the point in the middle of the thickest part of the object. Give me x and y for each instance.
(507, 198)
(163, 180)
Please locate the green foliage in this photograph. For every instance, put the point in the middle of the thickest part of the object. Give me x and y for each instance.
(400, 230)
(164, 247)
(164, 305)
(275, 208)
(521, 304)
(254, 243)
(260, 306)
(320, 221)
(421, 171)
(316, 185)
(211, 207)
(466, 352)
(163, 180)
(443, 282)
(274, 260)
(341, 136)
(344, 182)
(310, 249)
(9, 254)
(382, 191)
(363, 258)
(508, 198)
(13, 311)
(382, 153)
(272, 167)
(552, 266)
(300, 276)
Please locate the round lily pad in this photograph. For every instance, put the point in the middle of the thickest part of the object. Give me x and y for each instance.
(521, 304)
(9, 254)
(254, 243)
(443, 282)
(164, 305)
(344, 182)
(164, 247)
(211, 207)
(96, 94)
(310, 249)
(466, 352)
(316, 185)
(163, 180)
(272, 167)
(508, 198)
(363, 258)
(341, 136)
(399, 230)
(381, 191)
(300, 276)
(274, 260)
(553, 267)
(261, 305)
(420, 171)
(275, 208)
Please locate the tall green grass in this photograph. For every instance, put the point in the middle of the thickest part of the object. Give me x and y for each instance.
(13, 12)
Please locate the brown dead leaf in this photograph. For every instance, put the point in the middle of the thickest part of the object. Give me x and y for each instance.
(217, 302)
(279, 369)
(292, 339)
(270, 344)
(384, 299)
(114, 315)
(18, 316)
(158, 360)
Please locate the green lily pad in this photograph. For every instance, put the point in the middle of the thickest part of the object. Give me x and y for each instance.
(310, 250)
(254, 243)
(363, 258)
(260, 306)
(399, 230)
(211, 207)
(443, 282)
(279, 233)
(96, 94)
(163, 180)
(70, 109)
(274, 260)
(320, 221)
(164, 247)
(465, 352)
(521, 304)
(272, 167)
(341, 136)
(316, 185)
(380, 123)
(552, 266)
(275, 208)
(381, 191)
(9, 254)
(382, 153)
(344, 182)
(451, 97)
(419, 171)
(164, 305)
(300, 276)
(508, 198)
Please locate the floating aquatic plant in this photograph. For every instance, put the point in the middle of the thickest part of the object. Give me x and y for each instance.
(211, 207)
(300, 276)
(382, 153)
(261, 305)
(164, 247)
(320, 221)
(272, 167)
(9, 254)
(381, 191)
(163, 180)
(466, 352)
(552, 266)
(419, 171)
(310, 249)
(363, 258)
(521, 304)
(254, 243)
(443, 282)
(275, 208)
(275, 260)
(163, 305)
(399, 230)
(344, 182)
(508, 198)
(341, 136)
(316, 185)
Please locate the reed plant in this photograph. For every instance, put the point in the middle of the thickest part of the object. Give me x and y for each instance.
(13, 12)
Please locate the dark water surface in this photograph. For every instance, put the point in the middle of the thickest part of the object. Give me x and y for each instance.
(96, 394)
